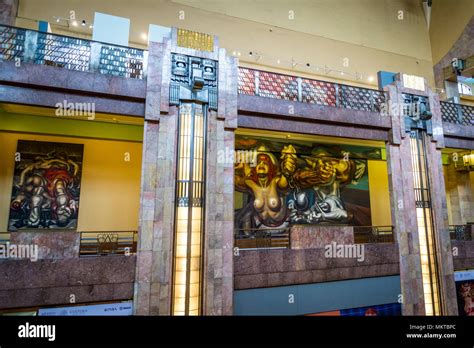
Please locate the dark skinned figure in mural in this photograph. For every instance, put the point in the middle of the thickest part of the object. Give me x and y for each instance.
(328, 205)
(308, 185)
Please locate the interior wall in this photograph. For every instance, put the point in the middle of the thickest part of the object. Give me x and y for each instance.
(448, 20)
(379, 193)
(110, 186)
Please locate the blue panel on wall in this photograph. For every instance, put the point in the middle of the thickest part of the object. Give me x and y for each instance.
(385, 78)
(315, 298)
(44, 27)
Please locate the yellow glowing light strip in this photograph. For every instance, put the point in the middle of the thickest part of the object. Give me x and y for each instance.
(428, 266)
(188, 248)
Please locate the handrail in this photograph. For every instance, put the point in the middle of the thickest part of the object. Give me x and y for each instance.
(295, 88)
(460, 232)
(309, 78)
(73, 37)
(73, 53)
(373, 234)
(457, 113)
(263, 238)
(96, 243)
(279, 238)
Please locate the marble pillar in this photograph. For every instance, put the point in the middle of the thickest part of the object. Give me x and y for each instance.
(8, 12)
(153, 286)
(401, 186)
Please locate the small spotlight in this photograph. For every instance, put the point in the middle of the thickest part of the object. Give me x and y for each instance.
(371, 78)
(58, 20)
(91, 26)
(308, 65)
(144, 36)
(250, 53)
(74, 23)
(83, 23)
(342, 72)
(278, 61)
(238, 53)
(234, 53)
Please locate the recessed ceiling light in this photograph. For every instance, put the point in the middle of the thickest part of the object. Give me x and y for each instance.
(144, 36)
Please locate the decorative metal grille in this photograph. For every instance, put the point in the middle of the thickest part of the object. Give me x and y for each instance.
(457, 113)
(62, 51)
(460, 232)
(318, 92)
(278, 238)
(12, 42)
(121, 61)
(278, 86)
(356, 98)
(247, 81)
(467, 115)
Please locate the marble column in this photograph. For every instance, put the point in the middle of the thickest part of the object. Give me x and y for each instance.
(401, 186)
(219, 236)
(8, 11)
(153, 286)
(154, 256)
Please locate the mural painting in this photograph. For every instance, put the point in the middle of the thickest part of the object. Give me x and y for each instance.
(301, 183)
(46, 186)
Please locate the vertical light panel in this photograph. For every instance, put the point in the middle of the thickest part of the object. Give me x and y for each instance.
(189, 212)
(426, 236)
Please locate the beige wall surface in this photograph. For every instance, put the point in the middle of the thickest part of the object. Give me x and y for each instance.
(110, 186)
(366, 34)
(448, 20)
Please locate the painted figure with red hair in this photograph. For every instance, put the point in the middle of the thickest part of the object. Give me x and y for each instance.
(268, 183)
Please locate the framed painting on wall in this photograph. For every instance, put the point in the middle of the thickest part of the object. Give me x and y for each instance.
(46, 186)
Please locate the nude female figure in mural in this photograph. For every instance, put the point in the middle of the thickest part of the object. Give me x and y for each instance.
(268, 184)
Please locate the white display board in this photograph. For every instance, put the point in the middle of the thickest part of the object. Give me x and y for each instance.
(156, 33)
(111, 29)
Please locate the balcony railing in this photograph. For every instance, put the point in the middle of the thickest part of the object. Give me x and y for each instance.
(373, 234)
(293, 88)
(460, 232)
(108, 243)
(457, 113)
(276, 238)
(30, 46)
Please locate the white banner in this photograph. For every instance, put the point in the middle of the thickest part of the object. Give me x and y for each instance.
(122, 308)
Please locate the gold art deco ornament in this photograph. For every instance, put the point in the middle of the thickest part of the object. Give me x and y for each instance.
(195, 40)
